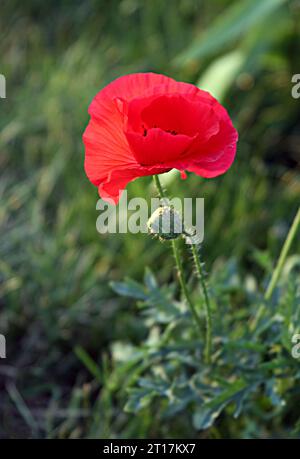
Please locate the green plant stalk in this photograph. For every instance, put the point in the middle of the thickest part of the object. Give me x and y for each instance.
(176, 252)
(183, 284)
(161, 193)
(282, 257)
(278, 269)
(208, 343)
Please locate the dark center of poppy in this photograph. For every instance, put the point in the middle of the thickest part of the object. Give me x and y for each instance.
(172, 114)
(173, 132)
(169, 131)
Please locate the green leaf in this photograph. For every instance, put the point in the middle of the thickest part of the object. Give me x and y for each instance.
(138, 399)
(221, 74)
(157, 385)
(150, 280)
(229, 26)
(129, 288)
(205, 417)
(208, 413)
(263, 259)
(273, 394)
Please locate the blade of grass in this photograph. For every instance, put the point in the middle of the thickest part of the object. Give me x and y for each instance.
(22, 408)
(235, 21)
(88, 362)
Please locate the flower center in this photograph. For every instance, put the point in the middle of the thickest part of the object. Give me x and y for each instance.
(173, 114)
(169, 131)
(161, 129)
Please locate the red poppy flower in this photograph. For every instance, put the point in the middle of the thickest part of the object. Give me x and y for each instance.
(145, 124)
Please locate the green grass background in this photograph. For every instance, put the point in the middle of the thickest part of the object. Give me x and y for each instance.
(57, 311)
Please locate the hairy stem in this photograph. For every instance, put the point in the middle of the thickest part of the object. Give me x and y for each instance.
(208, 344)
(176, 252)
(183, 284)
(160, 189)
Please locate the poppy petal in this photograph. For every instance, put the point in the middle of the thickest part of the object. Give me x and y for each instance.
(158, 146)
(146, 123)
(116, 182)
(106, 148)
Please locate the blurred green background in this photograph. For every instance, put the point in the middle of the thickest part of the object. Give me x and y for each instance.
(57, 310)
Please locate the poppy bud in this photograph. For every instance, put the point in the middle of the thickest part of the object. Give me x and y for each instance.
(166, 223)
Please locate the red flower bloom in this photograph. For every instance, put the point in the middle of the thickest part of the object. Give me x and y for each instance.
(145, 124)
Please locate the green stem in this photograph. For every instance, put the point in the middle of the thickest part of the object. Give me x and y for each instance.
(278, 269)
(284, 251)
(178, 261)
(183, 284)
(208, 344)
(160, 189)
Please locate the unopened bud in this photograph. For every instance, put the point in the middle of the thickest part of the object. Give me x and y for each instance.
(166, 223)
